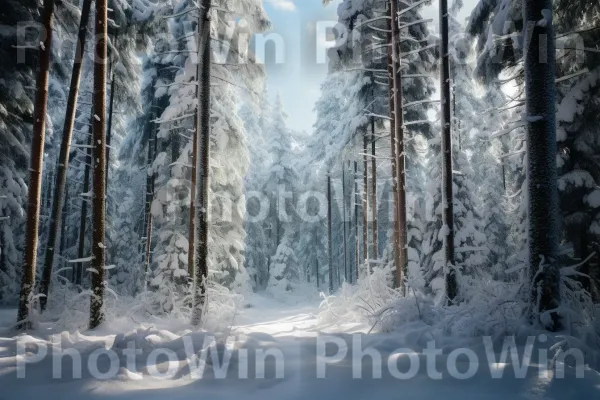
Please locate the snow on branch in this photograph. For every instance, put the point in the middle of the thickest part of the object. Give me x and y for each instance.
(421, 21)
(81, 260)
(571, 76)
(414, 103)
(417, 4)
(371, 20)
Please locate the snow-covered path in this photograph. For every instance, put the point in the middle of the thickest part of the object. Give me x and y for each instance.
(292, 340)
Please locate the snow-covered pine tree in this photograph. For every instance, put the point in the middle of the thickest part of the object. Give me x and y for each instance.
(282, 190)
(16, 117)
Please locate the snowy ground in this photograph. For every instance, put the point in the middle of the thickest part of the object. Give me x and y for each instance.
(291, 332)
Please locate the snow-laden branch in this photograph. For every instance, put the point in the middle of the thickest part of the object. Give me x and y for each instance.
(378, 116)
(415, 5)
(81, 260)
(371, 20)
(421, 21)
(414, 103)
(431, 46)
(571, 76)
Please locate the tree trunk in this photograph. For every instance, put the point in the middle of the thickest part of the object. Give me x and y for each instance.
(194, 162)
(99, 163)
(201, 273)
(63, 159)
(329, 244)
(356, 237)
(375, 251)
(63, 228)
(150, 181)
(365, 202)
(192, 228)
(543, 204)
(345, 222)
(397, 145)
(447, 195)
(78, 268)
(35, 170)
(111, 104)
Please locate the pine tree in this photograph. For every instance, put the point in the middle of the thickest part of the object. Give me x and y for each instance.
(99, 170)
(543, 203)
(63, 161)
(35, 183)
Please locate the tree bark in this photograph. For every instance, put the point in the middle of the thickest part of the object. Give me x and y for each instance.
(375, 251)
(150, 182)
(356, 237)
(35, 170)
(365, 203)
(63, 158)
(543, 203)
(99, 163)
(111, 104)
(203, 182)
(192, 228)
(329, 244)
(63, 228)
(194, 161)
(398, 158)
(345, 221)
(447, 194)
(78, 267)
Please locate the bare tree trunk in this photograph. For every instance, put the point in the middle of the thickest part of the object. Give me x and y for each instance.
(543, 203)
(150, 181)
(447, 194)
(397, 145)
(194, 161)
(192, 228)
(345, 222)
(365, 203)
(111, 104)
(63, 228)
(356, 237)
(63, 159)
(99, 163)
(78, 268)
(375, 251)
(329, 244)
(35, 170)
(203, 182)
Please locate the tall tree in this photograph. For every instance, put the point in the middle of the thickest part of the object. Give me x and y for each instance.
(63, 160)
(374, 208)
(397, 146)
(99, 164)
(447, 189)
(329, 240)
(365, 203)
(78, 267)
(543, 206)
(202, 167)
(35, 182)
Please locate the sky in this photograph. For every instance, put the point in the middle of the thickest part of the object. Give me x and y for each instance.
(298, 78)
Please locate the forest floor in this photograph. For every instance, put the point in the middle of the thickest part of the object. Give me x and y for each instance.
(300, 363)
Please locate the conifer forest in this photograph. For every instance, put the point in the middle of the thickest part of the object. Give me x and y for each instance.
(290, 199)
